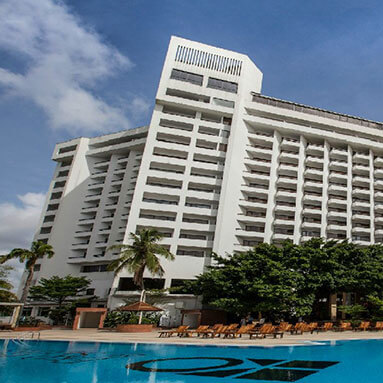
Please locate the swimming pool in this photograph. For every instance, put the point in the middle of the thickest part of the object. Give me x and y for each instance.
(85, 362)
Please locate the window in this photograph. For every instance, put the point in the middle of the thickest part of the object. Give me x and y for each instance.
(181, 75)
(44, 311)
(127, 284)
(180, 287)
(226, 86)
(37, 267)
(94, 268)
(90, 291)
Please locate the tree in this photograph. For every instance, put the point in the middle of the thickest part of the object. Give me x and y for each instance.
(6, 294)
(140, 255)
(291, 280)
(58, 290)
(38, 250)
(256, 281)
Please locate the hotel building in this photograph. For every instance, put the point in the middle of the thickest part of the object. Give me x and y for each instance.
(220, 168)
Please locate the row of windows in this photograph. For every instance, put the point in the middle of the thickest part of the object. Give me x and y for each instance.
(127, 284)
(196, 79)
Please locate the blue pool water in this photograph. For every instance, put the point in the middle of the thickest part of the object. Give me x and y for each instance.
(86, 362)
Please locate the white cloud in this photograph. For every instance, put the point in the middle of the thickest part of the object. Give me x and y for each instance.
(64, 60)
(17, 227)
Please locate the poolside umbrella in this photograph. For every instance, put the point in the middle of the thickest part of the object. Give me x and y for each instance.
(140, 307)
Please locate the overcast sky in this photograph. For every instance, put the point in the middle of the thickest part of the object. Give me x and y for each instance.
(71, 68)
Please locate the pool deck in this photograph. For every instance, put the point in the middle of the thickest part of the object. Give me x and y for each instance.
(94, 335)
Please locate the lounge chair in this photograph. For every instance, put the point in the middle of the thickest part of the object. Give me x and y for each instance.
(325, 327)
(344, 326)
(378, 327)
(180, 331)
(216, 333)
(239, 332)
(297, 328)
(284, 326)
(197, 331)
(363, 326)
(266, 330)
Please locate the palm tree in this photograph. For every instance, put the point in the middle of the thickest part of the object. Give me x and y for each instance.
(38, 250)
(141, 254)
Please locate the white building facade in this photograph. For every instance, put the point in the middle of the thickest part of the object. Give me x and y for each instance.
(220, 169)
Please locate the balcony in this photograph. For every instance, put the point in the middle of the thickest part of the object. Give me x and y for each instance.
(289, 156)
(290, 144)
(337, 227)
(361, 170)
(284, 207)
(260, 138)
(361, 181)
(339, 153)
(362, 192)
(286, 194)
(378, 161)
(361, 204)
(283, 236)
(313, 173)
(379, 207)
(316, 162)
(361, 230)
(287, 169)
(337, 214)
(361, 157)
(311, 224)
(261, 151)
(361, 217)
(312, 211)
(248, 234)
(284, 222)
(338, 165)
(378, 219)
(314, 149)
(378, 173)
(338, 188)
(286, 181)
(336, 201)
(379, 232)
(312, 197)
(338, 177)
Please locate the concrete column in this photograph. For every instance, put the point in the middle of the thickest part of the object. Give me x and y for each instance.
(326, 163)
(349, 193)
(372, 199)
(300, 185)
(269, 229)
(333, 306)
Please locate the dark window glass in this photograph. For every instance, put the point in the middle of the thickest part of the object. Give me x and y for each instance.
(226, 86)
(186, 76)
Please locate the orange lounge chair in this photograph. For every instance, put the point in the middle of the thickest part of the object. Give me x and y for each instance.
(297, 328)
(180, 331)
(199, 330)
(378, 327)
(239, 332)
(266, 330)
(344, 326)
(326, 327)
(363, 326)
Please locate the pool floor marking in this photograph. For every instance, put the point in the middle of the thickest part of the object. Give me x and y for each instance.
(281, 375)
(315, 364)
(220, 373)
(266, 362)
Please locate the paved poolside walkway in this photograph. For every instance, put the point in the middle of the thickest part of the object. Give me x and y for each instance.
(111, 336)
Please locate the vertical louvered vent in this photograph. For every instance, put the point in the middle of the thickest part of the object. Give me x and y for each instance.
(208, 60)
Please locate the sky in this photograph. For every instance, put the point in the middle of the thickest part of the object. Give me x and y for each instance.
(83, 68)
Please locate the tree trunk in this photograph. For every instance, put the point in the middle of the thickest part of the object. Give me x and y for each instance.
(27, 284)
